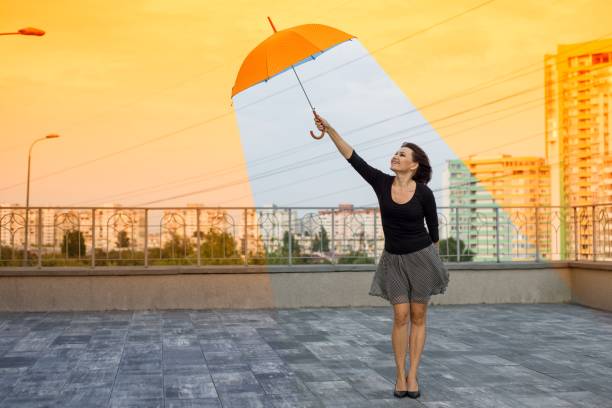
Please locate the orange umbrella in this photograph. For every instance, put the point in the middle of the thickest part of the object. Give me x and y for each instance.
(284, 50)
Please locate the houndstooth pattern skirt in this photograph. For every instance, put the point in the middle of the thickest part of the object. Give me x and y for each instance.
(412, 277)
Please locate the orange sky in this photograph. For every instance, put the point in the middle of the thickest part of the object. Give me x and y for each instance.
(114, 74)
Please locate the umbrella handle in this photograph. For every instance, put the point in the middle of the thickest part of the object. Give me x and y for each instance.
(312, 133)
(317, 137)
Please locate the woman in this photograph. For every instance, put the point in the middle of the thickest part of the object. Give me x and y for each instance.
(410, 269)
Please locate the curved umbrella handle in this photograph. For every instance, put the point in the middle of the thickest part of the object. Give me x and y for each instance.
(312, 133)
(317, 137)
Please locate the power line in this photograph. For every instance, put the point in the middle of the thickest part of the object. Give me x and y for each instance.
(363, 185)
(300, 148)
(197, 124)
(395, 141)
(469, 91)
(492, 178)
(472, 90)
(267, 159)
(442, 163)
(344, 168)
(289, 167)
(106, 156)
(157, 92)
(294, 166)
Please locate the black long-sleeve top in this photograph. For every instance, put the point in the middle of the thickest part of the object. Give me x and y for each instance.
(402, 224)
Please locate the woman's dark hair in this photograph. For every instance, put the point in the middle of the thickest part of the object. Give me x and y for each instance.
(423, 173)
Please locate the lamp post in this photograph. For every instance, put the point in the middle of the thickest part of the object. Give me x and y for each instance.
(27, 31)
(25, 257)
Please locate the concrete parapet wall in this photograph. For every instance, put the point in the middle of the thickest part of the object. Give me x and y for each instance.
(592, 284)
(247, 287)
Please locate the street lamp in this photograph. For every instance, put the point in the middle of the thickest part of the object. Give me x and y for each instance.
(27, 31)
(25, 257)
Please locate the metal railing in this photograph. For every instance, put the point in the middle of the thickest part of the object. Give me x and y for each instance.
(122, 236)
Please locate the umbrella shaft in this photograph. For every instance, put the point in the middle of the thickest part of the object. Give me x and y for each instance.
(305, 94)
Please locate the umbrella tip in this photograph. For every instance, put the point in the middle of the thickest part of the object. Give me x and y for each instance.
(272, 24)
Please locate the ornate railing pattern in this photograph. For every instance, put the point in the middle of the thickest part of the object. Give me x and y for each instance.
(115, 236)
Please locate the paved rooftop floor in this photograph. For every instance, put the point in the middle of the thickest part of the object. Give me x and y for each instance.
(542, 355)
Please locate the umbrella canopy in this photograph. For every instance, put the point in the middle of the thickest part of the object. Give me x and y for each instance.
(283, 50)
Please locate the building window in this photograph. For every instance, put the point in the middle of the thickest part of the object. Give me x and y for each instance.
(601, 58)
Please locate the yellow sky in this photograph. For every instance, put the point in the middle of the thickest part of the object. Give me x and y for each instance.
(113, 74)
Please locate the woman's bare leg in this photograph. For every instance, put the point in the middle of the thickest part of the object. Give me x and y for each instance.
(399, 341)
(418, 334)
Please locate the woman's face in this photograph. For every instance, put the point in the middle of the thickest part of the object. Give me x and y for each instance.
(401, 162)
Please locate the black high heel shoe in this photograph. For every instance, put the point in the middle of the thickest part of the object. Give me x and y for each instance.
(399, 394)
(414, 394)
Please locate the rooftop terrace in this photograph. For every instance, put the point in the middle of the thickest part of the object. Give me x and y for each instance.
(503, 355)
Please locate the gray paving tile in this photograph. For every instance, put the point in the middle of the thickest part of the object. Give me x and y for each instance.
(585, 399)
(193, 403)
(242, 399)
(136, 403)
(90, 396)
(535, 355)
(291, 401)
(189, 387)
(338, 392)
(358, 404)
(14, 362)
(285, 386)
(270, 368)
(137, 386)
(71, 340)
(314, 372)
(236, 382)
(85, 378)
(229, 367)
(541, 401)
(219, 346)
(29, 402)
(40, 383)
(140, 366)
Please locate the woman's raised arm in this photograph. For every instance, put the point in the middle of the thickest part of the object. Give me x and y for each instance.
(344, 148)
(370, 174)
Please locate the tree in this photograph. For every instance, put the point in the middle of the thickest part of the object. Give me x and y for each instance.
(448, 250)
(73, 243)
(217, 244)
(280, 255)
(123, 241)
(171, 247)
(259, 256)
(320, 242)
(8, 252)
(362, 241)
(296, 251)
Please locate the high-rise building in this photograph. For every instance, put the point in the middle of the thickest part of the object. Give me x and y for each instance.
(12, 231)
(273, 222)
(492, 204)
(55, 223)
(110, 221)
(354, 229)
(578, 90)
(240, 225)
